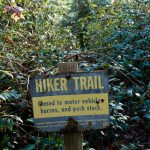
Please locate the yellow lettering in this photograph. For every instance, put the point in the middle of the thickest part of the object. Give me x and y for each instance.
(83, 83)
(38, 84)
(76, 82)
(50, 85)
(95, 82)
(44, 85)
(100, 83)
(90, 82)
(63, 83)
(56, 84)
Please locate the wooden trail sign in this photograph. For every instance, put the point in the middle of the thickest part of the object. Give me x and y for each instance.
(81, 96)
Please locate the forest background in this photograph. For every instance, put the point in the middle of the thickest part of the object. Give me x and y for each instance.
(112, 35)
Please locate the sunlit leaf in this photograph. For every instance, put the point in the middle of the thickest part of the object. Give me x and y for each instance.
(7, 73)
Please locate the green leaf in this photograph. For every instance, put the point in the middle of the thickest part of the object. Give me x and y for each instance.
(132, 146)
(2, 97)
(10, 95)
(148, 87)
(30, 120)
(135, 118)
(7, 73)
(15, 94)
(124, 147)
(47, 141)
(146, 64)
(4, 140)
(15, 117)
(10, 124)
(147, 116)
(29, 147)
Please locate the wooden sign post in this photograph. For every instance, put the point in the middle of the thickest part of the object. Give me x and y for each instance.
(70, 102)
(72, 139)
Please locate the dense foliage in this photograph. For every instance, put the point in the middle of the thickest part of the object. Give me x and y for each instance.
(110, 35)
